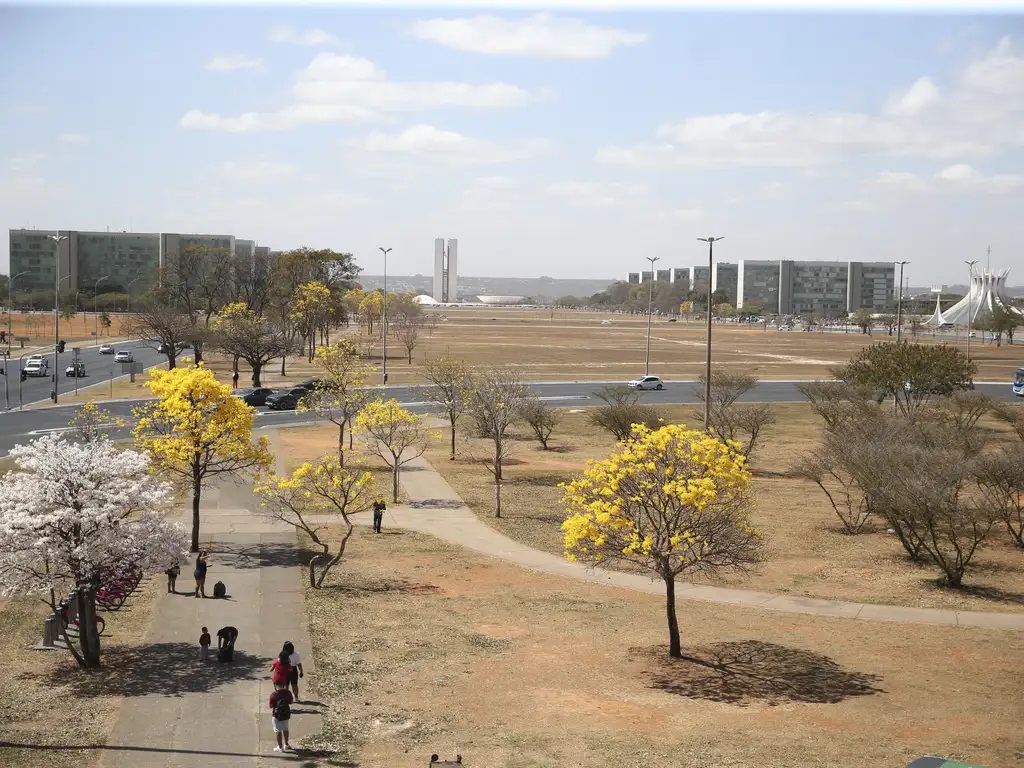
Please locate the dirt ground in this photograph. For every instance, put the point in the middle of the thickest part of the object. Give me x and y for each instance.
(38, 327)
(423, 647)
(808, 553)
(48, 701)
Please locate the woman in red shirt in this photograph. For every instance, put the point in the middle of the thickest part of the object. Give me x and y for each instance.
(281, 669)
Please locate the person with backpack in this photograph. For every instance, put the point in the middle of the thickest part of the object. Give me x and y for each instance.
(281, 669)
(280, 715)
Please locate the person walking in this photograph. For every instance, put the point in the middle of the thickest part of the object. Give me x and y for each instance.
(281, 670)
(281, 715)
(172, 577)
(200, 574)
(204, 644)
(295, 663)
(378, 513)
(234, 379)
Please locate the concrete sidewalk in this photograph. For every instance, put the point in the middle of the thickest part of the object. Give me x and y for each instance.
(177, 712)
(436, 509)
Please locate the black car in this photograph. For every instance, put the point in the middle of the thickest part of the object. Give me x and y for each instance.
(286, 399)
(254, 395)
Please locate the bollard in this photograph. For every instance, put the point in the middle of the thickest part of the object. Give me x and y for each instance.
(50, 632)
(72, 607)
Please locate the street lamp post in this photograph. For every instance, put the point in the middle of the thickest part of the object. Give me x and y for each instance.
(56, 305)
(10, 308)
(650, 299)
(970, 309)
(96, 304)
(899, 302)
(707, 367)
(130, 284)
(384, 313)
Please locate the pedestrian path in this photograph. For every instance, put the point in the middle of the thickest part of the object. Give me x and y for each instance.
(435, 508)
(178, 713)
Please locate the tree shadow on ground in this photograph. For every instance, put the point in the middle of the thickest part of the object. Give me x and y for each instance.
(752, 671)
(307, 758)
(246, 556)
(170, 669)
(544, 480)
(362, 588)
(993, 594)
(436, 504)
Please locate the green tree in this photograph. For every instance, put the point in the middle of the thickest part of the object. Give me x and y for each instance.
(863, 319)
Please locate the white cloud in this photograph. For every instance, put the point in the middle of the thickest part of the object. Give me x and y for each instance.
(26, 160)
(257, 171)
(427, 144)
(309, 37)
(72, 138)
(597, 194)
(775, 190)
(542, 35)
(901, 180)
(959, 177)
(336, 88)
(980, 116)
(233, 61)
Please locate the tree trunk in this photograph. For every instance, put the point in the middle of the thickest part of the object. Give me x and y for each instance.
(257, 370)
(674, 648)
(410, 357)
(337, 557)
(197, 491)
(341, 443)
(171, 361)
(88, 637)
(284, 359)
(351, 434)
(394, 483)
(497, 496)
(451, 418)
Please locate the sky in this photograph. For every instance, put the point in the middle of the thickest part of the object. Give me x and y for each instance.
(566, 143)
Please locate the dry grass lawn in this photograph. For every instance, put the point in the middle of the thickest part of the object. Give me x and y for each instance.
(39, 327)
(808, 554)
(43, 705)
(423, 647)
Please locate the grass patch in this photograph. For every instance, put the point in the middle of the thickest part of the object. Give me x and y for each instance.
(41, 706)
(808, 554)
(423, 647)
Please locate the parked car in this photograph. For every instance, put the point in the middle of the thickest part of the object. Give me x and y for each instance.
(34, 368)
(106, 349)
(286, 399)
(123, 357)
(254, 395)
(75, 370)
(646, 382)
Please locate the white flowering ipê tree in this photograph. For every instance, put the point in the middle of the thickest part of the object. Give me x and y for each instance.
(73, 512)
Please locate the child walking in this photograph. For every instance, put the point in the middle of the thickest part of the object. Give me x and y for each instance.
(280, 715)
(204, 644)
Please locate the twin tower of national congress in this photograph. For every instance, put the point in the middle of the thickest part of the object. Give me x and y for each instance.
(446, 271)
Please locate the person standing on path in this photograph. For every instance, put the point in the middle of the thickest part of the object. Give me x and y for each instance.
(200, 574)
(204, 644)
(172, 577)
(295, 664)
(234, 379)
(281, 715)
(378, 513)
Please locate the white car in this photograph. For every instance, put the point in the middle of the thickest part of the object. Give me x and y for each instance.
(646, 382)
(35, 368)
(37, 359)
(106, 349)
(123, 357)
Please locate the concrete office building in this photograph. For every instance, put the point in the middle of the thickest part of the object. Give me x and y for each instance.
(807, 287)
(121, 258)
(663, 276)
(725, 277)
(871, 285)
(699, 279)
(633, 278)
(758, 281)
(681, 276)
(446, 271)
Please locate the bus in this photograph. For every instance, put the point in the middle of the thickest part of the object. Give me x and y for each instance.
(1018, 383)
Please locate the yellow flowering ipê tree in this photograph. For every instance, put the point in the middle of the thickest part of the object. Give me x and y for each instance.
(394, 434)
(337, 397)
(310, 309)
(196, 430)
(673, 501)
(312, 491)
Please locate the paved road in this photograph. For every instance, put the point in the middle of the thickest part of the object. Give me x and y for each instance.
(97, 368)
(21, 426)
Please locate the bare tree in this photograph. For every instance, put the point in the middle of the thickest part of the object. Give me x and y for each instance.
(542, 419)
(449, 379)
(164, 326)
(495, 403)
(252, 339)
(1001, 475)
(729, 420)
(834, 401)
(408, 332)
(833, 468)
(621, 410)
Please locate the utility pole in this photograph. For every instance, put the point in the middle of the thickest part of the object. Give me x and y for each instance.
(384, 314)
(899, 302)
(707, 368)
(650, 300)
(970, 309)
(56, 305)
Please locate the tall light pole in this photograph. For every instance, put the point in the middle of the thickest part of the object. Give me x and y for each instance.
(970, 309)
(707, 367)
(384, 314)
(10, 307)
(650, 300)
(96, 305)
(130, 284)
(899, 302)
(56, 304)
